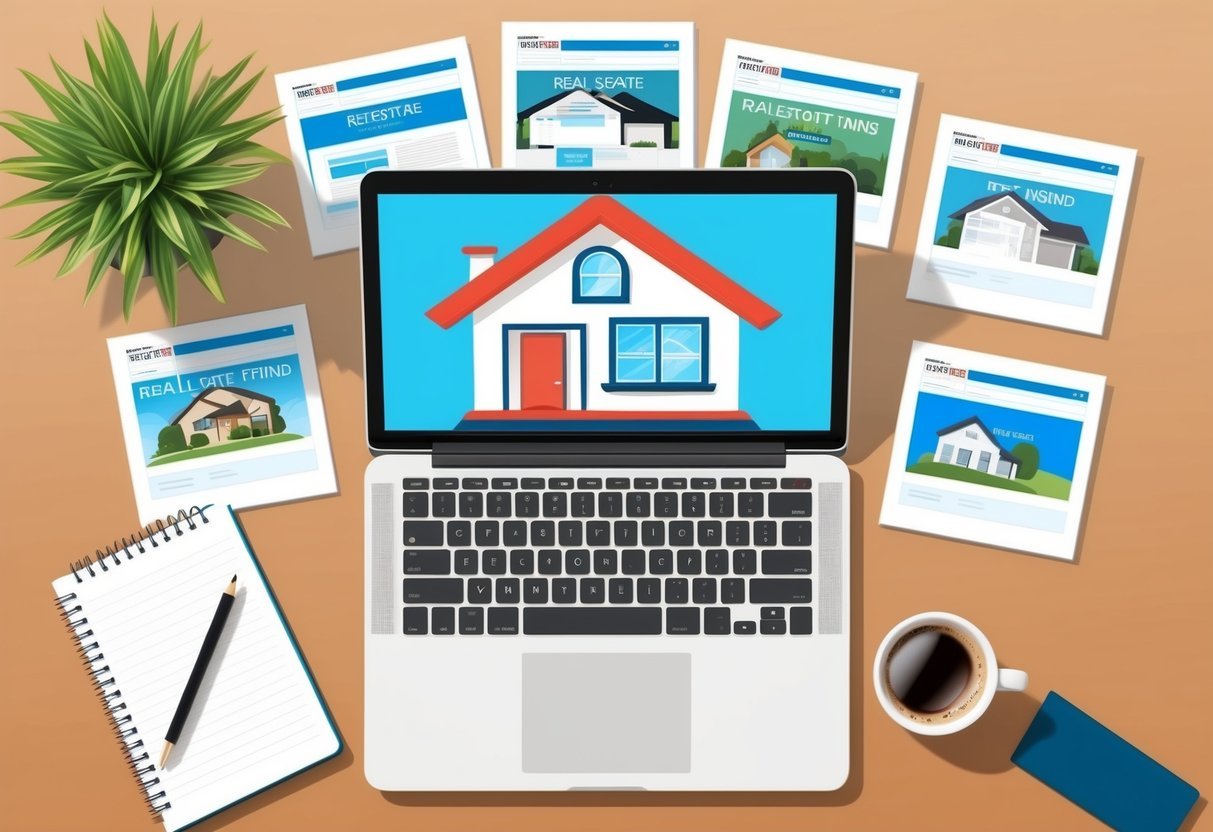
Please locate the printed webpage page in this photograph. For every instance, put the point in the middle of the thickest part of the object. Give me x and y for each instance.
(992, 450)
(598, 95)
(223, 412)
(1022, 224)
(776, 108)
(414, 108)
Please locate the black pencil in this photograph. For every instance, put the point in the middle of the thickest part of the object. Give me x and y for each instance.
(195, 681)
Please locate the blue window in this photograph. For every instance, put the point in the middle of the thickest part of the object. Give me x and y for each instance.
(659, 353)
(600, 275)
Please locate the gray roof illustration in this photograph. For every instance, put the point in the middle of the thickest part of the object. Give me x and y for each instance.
(1049, 228)
(631, 107)
(222, 409)
(1003, 453)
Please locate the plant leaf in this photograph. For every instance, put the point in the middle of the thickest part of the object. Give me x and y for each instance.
(48, 220)
(164, 271)
(169, 109)
(198, 253)
(166, 220)
(246, 150)
(217, 222)
(192, 151)
(101, 261)
(37, 167)
(58, 237)
(215, 177)
(229, 203)
(132, 264)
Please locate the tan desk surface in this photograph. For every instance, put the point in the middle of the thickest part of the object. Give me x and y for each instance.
(1123, 632)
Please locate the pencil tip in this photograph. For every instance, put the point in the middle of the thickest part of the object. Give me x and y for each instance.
(233, 579)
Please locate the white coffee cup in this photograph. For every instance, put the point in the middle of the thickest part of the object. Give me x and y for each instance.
(905, 645)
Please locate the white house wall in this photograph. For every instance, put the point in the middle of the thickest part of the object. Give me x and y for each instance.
(545, 297)
(547, 127)
(959, 441)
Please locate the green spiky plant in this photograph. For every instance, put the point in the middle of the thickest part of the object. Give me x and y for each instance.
(142, 166)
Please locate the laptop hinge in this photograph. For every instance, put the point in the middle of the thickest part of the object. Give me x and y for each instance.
(609, 454)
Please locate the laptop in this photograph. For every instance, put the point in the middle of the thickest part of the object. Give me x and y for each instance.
(607, 529)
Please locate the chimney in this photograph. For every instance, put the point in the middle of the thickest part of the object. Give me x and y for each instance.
(479, 259)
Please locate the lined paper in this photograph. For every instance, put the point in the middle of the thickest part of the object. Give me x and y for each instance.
(257, 719)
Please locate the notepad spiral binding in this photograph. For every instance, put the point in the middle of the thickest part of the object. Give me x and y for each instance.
(150, 537)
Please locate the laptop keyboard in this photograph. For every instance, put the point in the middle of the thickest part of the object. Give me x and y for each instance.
(607, 556)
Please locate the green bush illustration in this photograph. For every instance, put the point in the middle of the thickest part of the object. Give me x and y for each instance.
(643, 144)
(951, 238)
(170, 440)
(1029, 460)
(199, 440)
(277, 423)
(240, 432)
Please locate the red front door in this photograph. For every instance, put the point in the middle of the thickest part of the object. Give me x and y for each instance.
(543, 378)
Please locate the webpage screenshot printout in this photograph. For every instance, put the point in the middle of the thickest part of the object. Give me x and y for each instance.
(412, 108)
(992, 450)
(1022, 224)
(777, 108)
(598, 95)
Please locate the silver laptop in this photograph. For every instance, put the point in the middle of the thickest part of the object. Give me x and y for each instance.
(607, 535)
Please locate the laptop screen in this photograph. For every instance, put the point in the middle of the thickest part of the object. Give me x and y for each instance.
(658, 313)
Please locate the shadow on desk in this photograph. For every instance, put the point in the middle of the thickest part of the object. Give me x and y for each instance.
(849, 793)
(986, 746)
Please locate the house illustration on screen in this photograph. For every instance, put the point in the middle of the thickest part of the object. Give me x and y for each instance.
(603, 317)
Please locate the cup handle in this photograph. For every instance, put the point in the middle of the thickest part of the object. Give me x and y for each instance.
(1011, 679)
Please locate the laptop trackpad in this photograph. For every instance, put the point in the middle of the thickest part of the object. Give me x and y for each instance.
(606, 712)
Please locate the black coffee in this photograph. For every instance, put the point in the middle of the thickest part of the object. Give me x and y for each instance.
(930, 670)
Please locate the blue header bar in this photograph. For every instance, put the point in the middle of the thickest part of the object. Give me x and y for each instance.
(1058, 159)
(395, 75)
(190, 347)
(619, 45)
(839, 83)
(1031, 386)
(384, 117)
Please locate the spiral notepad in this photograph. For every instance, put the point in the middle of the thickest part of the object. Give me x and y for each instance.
(138, 611)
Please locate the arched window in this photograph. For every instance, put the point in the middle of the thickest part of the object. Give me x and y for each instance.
(600, 275)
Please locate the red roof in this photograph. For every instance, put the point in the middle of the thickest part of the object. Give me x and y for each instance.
(605, 211)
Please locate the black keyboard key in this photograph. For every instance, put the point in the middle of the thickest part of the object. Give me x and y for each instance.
(718, 561)
(732, 483)
(690, 562)
(762, 482)
(732, 590)
(618, 483)
(549, 561)
(569, 533)
(796, 483)
(475, 483)
(693, 504)
(632, 562)
(480, 590)
(796, 532)
(777, 627)
(682, 622)
(459, 532)
(423, 532)
(535, 591)
(499, 504)
(509, 483)
(610, 504)
(416, 483)
(507, 591)
(645, 483)
(665, 504)
(467, 562)
(471, 621)
(417, 505)
(513, 533)
(781, 590)
(770, 612)
(648, 590)
(543, 532)
(415, 621)
(749, 504)
(577, 562)
(442, 621)
(598, 533)
(625, 532)
(494, 562)
(526, 504)
(589, 482)
(522, 562)
(708, 532)
(794, 504)
(716, 621)
(561, 483)
(433, 590)
(661, 562)
(720, 504)
(676, 591)
(737, 533)
(637, 504)
(534, 482)
(605, 561)
(444, 504)
(583, 504)
(786, 562)
(703, 590)
(745, 562)
(765, 532)
(744, 628)
(800, 621)
(564, 590)
(682, 532)
(427, 561)
(674, 482)
(446, 483)
(593, 590)
(503, 621)
(555, 504)
(471, 504)
(488, 533)
(707, 483)
(591, 621)
(619, 590)
(652, 533)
